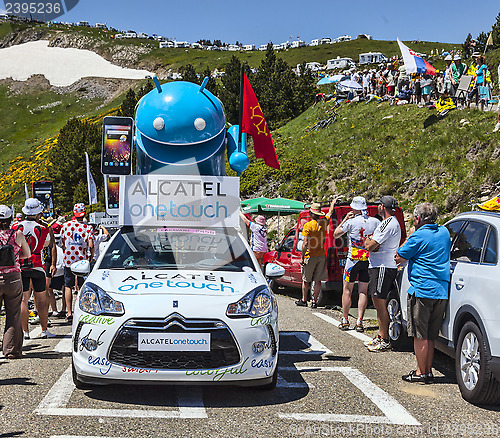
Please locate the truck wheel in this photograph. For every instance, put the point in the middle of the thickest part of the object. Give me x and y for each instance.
(397, 330)
(475, 380)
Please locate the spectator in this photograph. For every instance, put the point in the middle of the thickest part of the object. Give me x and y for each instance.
(480, 70)
(101, 234)
(38, 237)
(403, 78)
(418, 89)
(447, 83)
(358, 225)
(382, 270)
(391, 80)
(428, 253)
(313, 258)
(457, 71)
(77, 243)
(426, 86)
(56, 281)
(497, 126)
(11, 291)
(258, 238)
(366, 83)
(320, 97)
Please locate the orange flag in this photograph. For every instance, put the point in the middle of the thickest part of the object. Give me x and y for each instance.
(253, 123)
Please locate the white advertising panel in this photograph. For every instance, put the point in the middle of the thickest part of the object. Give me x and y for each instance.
(174, 342)
(179, 200)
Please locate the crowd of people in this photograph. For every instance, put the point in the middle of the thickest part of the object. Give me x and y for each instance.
(35, 259)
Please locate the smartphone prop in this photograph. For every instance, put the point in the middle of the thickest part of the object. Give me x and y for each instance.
(116, 157)
(112, 189)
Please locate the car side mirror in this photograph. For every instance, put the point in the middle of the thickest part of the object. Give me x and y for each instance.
(300, 244)
(81, 268)
(274, 271)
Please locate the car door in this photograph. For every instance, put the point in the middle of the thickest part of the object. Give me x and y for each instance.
(284, 256)
(468, 239)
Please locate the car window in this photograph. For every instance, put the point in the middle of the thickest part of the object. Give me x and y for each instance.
(454, 228)
(287, 245)
(490, 251)
(469, 243)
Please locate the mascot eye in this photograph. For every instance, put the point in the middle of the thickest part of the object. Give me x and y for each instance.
(200, 124)
(159, 123)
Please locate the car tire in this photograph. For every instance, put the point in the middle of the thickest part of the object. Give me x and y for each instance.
(475, 379)
(274, 286)
(270, 386)
(78, 383)
(397, 329)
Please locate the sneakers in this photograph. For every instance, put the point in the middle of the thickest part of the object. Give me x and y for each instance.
(61, 314)
(373, 341)
(359, 328)
(413, 377)
(314, 306)
(344, 326)
(27, 336)
(301, 303)
(34, 320)
(381, 345)
(497, 127)
(46, 334)
(69, 318)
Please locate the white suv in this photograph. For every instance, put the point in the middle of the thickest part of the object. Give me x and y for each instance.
(471, 328)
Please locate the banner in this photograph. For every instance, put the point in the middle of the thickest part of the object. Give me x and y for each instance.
(91, 183)
(26, 191)
(414, 63)
(179, 200)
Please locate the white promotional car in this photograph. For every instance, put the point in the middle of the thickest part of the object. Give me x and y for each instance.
(175, 305)
(471, 328)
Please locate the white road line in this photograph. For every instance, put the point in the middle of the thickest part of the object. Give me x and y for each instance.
(34, 335)
(64, 345)
(394, 412)
(336, 323)
(76, 436)
(190, 405)
(315, 346)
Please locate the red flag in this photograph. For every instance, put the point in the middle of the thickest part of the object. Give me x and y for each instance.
(253, 123)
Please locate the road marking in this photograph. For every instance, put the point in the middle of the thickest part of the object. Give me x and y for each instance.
(76, 436)
(336, 323)
(64, 345)
(315, 346)
(190, 404)
(34, 335)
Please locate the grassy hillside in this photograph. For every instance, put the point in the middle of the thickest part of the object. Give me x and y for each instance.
(375, 149)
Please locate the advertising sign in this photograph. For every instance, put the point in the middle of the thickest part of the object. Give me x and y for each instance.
(179, 200)
(44, 192)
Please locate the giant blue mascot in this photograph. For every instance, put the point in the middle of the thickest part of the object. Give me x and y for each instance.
(180, 129)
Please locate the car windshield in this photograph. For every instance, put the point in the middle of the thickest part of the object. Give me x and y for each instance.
(177, 248)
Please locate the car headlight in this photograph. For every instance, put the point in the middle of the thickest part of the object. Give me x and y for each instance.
(95, 301)
(257, 302)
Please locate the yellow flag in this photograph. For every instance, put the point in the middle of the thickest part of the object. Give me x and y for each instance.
(490, 40)
(491, 205)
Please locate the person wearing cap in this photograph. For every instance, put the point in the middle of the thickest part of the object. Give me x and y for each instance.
(78, 244)
(313, 258)
(480, 72)
(19, 218)
(38, 237)
(382, 270)
(258, 238)
(100, 234)
(447, 83)
(358, 225)
(458, 69)
(56, 281)
(428, 251)
(497, 126)
(11, 291)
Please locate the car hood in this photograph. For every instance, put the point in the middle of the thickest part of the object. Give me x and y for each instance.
(186, 282)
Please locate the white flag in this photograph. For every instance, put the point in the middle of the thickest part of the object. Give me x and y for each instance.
(26, 191)
(91, 183)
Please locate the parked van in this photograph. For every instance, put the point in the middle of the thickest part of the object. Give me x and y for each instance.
(340, 63)
(288, 253)
(372, 58)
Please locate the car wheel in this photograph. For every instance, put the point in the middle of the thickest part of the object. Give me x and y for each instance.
(270, 386)
(475, 380)
(274, 286)
(78, 383)
(397, 329)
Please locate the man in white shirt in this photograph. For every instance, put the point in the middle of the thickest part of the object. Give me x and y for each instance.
(383, 245)
(358, 225)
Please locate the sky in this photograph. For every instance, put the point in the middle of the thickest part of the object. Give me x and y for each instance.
(260, 21)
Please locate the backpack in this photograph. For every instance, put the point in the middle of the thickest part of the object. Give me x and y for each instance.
(7, 254)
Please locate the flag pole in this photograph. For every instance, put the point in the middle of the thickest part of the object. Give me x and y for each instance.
(240, 121)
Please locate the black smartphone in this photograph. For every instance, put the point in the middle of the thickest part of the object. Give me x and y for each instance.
(112, 195)
(116, 157)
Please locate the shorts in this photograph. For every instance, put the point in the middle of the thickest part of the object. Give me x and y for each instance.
(69, 278)
(57, 283)
(425, 317)
(381, 281)
(356, 269)
(314, 269)
(448, 87)
(34, 276)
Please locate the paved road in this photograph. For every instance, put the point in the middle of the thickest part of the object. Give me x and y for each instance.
(329, 385)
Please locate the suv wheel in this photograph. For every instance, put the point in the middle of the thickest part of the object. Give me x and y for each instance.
(397, 330)
(475, 380)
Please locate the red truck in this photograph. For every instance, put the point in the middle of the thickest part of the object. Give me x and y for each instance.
(288, 253)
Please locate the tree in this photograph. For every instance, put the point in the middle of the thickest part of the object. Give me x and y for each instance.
(496, 32)
(481, 42)
(145, 89)
(67, 160)
(213, 85)
(127, 108)
(466, 46)
(189, 74)
(229, 93)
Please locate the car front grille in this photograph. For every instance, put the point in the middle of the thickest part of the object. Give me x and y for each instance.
(223, 350)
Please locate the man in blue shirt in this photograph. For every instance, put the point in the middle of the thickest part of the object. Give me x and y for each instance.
(428, 252)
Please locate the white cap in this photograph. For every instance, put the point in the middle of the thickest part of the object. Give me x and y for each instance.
(448, 58)
(5, 212)
(32, 207)
(358, 203)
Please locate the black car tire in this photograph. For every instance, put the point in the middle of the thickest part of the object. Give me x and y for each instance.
(397, 329)
(78, 383)
(270, 386)
(475, 379)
